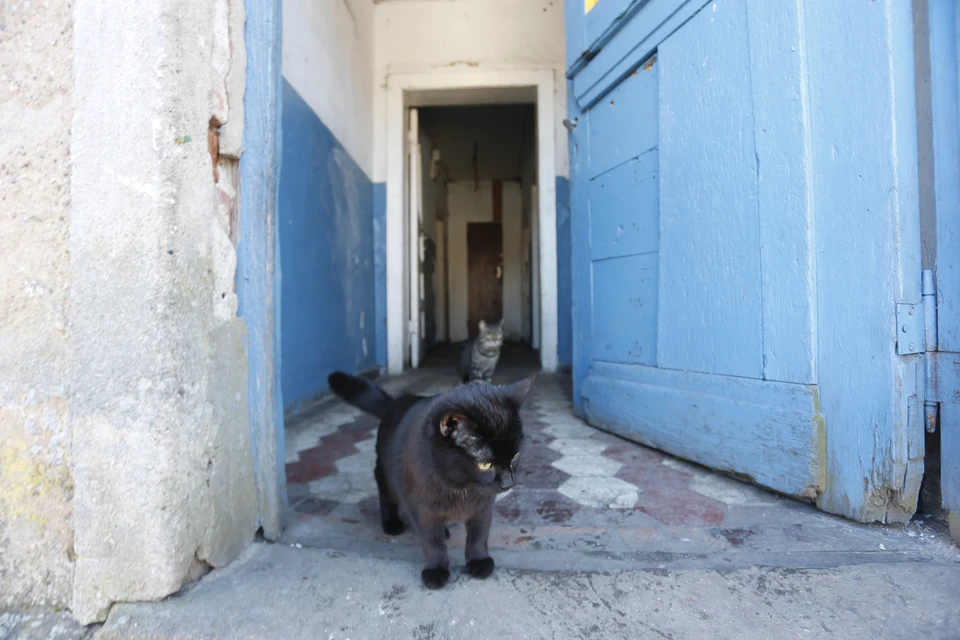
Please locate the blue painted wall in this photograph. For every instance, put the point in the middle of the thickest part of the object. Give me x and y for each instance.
(564, 276)
(328, 317)
(380, 268)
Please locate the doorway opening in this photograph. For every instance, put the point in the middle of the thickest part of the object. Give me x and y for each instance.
(467, 149)
(470, 223)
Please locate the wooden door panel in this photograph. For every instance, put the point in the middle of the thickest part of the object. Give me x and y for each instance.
(484, 288)
(625, 206)
(710, 298)
(677, 284)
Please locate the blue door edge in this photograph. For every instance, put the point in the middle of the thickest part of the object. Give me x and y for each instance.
(579, 252)
(944, 45)
(258, 263)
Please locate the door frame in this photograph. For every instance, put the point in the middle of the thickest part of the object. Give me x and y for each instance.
(258, 259)
(461, 88)
(414, 238)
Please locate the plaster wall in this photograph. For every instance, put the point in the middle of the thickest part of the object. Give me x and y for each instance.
(328, 56)
(162, 465)
(36, 480)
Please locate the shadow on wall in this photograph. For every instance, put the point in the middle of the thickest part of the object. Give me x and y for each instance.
(326, 254)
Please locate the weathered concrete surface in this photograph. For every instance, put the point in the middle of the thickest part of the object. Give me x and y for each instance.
(282, 592)
(36, 484)
(162, 463)
(42, 625)
(752, 565)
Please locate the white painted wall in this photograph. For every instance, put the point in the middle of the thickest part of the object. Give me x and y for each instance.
(474, 36)
(468, 205)
(328, 57)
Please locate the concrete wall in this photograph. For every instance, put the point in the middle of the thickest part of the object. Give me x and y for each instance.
(467, 204)
(36, 481)
(163, 473)
(328, 314)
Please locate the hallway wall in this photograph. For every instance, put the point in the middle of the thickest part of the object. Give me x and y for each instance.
(326, 216)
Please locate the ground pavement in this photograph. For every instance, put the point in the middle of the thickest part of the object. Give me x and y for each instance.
(601, 538)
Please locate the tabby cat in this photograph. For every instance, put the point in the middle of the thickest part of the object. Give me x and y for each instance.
(478, 357)
(442, 459)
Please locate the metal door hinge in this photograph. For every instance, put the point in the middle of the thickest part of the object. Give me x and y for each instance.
(917, 333)
(931, 372)
(909, 329)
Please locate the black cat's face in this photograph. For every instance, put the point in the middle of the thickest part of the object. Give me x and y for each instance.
(481, 427)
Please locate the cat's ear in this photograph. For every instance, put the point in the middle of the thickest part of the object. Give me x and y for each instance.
(519, 391)
(450, 423)
(483, 325)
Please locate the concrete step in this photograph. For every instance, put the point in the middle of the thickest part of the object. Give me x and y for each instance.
(286, 591)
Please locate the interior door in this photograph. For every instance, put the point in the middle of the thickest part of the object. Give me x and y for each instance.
(707, 253)
(484, 274)
(415, 322)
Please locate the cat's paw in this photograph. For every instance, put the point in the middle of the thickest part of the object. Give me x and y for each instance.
(435, 578)
(481, 568)
(393, 526)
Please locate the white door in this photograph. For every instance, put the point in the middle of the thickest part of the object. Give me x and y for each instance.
(415, 249)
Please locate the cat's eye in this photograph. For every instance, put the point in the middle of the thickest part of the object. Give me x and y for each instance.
(483, 466)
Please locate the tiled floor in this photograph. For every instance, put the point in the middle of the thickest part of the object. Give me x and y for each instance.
(578, 488)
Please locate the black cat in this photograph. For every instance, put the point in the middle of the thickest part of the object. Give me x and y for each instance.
(442, 459)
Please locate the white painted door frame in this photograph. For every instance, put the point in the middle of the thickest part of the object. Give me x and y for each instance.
(469, 87)
(415, 247)
(535, 271)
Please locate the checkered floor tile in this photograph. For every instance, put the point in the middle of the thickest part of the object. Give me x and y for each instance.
(570, 475)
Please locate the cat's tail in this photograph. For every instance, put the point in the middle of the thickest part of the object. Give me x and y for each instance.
(361, 393)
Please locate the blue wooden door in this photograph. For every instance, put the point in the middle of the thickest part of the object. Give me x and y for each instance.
(943, 364)
(703, 302)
